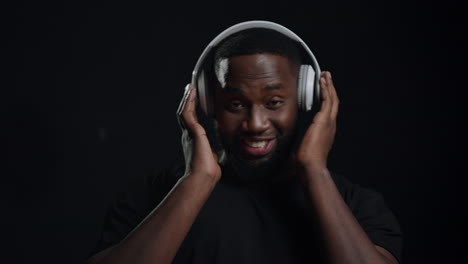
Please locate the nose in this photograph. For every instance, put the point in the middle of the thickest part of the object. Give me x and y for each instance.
(257, 121)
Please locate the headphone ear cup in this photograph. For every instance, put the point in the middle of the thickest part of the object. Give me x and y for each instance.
(306, 87)
(300, 88)
(204, 97)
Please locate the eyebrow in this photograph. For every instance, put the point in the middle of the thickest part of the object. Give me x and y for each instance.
(231, 89)
(272, 87)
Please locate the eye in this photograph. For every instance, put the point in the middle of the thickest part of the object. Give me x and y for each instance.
(235, 105)
(275, 103)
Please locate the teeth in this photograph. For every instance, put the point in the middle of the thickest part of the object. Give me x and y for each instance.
(257, 144)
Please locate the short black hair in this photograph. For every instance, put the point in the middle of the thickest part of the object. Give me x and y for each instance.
(257, 41)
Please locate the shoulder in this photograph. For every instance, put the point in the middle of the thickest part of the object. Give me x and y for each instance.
(158, 182)
(353, 193)
(131, 206)
(169, 174)
(143, 194)
(372, 213)
(365, 203)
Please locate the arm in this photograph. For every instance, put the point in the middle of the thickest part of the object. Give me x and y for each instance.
(158, 237)
(344, 239)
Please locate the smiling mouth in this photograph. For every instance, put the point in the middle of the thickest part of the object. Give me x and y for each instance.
(256, 144)
(257, 147)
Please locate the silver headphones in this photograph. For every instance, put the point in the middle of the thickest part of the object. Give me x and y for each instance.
(309, 75)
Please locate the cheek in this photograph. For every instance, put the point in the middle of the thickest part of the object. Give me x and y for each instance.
(228, 124)
(285, 121)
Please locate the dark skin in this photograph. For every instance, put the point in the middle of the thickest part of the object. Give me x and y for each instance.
(251, 110)
(258, 102)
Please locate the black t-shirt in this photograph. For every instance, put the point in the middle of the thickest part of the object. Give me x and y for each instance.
(238, 224)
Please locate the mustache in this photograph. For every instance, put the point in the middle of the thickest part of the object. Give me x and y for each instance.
(262, 134)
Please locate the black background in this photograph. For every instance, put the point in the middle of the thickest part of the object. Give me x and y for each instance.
(91, 90)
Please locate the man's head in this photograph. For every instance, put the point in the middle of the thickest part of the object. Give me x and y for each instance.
(255, 99)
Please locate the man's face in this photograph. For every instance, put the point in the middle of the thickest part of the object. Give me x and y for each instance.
(256, 108)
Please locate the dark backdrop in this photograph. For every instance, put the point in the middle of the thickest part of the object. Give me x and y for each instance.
(91, 89)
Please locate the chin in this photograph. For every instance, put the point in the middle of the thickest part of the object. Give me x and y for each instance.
(259, 161)
(255, 171)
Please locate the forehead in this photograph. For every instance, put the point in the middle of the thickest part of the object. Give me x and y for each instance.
(258, 64)
(256, 68)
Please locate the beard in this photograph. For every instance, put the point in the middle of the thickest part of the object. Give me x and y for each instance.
(240, 170)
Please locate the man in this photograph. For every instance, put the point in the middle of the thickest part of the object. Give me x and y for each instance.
(269, 196)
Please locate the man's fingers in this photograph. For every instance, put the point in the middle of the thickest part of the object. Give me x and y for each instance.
(326, 100)
(333, 97)
(182, 104)
(186, 113)
(189, 115)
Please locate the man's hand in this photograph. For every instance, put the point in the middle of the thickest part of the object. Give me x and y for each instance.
(199, 157)
(318, 139)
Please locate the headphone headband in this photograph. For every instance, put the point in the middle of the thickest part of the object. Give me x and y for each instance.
(202, 93)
